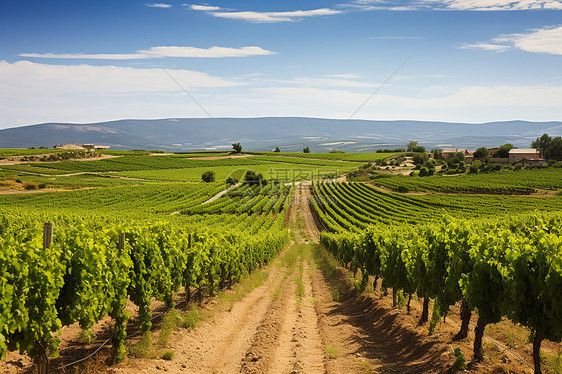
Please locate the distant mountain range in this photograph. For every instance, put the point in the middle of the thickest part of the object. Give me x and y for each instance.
(264, 134)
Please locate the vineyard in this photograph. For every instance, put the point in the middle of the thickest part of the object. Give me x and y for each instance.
(500, 267)
(505, 182)
(88, 272)
(355, 206)
(104, 237)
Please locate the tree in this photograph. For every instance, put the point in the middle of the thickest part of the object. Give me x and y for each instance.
(306, 150)
(454, 159)
(252, 178)
(277, 149)
(208, 176)
(542, 143)
(550, 148)
(475, 166)
(481, 153)
(236, 147)
(414, 147)
(420, 158)
(437, 153)
(554, 149)
(503, 152)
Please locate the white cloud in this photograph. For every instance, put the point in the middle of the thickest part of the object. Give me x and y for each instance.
(486, 47)
(398, 37)
(158, 5)
(161, 51)
(28, 77)
(545, 40)
(341, 80)
(204, 8)
(345, 76)
(469, 5)
(264, 17)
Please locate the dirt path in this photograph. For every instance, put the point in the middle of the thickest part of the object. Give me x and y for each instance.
(222, 193)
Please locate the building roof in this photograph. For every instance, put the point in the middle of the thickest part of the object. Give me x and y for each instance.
(523, 150)
(453, 150)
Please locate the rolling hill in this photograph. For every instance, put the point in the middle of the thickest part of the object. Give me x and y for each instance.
(263, 134)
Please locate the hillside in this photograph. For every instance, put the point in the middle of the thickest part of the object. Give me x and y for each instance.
(263, 134)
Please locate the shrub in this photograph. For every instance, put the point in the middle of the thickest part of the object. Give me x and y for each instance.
(231, 180)
(403, 189)
(167, 355)
(208, 176)
(460, 361)
(30, 186)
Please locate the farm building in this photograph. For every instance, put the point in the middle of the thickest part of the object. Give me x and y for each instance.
(80, 146)
(516, 155)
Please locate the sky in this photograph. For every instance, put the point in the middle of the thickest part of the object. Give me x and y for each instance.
(436, 60)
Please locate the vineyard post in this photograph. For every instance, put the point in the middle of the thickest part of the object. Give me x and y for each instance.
(121, 244)
(42, 360)
(47, 234)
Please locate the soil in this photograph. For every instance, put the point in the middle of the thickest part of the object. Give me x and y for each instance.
(321, 325)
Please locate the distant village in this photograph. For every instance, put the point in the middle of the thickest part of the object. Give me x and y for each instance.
(81, 146)
(517, 156)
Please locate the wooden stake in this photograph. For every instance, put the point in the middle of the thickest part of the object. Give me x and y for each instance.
(47, 234)
(121, 245)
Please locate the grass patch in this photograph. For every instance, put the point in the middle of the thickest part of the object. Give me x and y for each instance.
(511, 334)
(553, 361)
(86, 336)
(331, 352)
(366, 366)
(170, 321)
(142, 349)
(300, 284)
(192, 317)
(167, 355)
(460, 361)
(242, 288)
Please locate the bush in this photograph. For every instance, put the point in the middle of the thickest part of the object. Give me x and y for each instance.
(420, 158)
(231, 180)
(30, 186)
(208, 176)
(168, 355)
(403, 189)
(306, 150)
(424, 171)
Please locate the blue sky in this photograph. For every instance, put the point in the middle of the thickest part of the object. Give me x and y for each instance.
(470, 60)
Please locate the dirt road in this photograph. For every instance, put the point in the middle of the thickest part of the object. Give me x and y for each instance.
(298, 322)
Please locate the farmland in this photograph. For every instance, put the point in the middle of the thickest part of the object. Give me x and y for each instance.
(141, 231)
